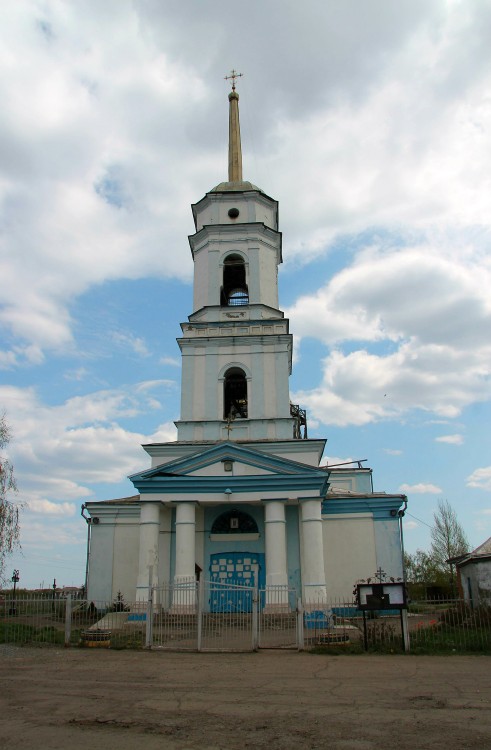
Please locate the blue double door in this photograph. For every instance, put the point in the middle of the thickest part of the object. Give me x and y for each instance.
(233, 576)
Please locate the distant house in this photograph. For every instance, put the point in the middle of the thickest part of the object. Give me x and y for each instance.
(474, 574)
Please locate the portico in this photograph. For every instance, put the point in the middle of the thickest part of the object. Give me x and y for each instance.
(202, 482)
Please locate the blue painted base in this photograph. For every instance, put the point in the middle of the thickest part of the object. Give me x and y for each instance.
(316, 619)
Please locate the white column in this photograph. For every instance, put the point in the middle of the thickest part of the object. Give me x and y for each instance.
(148, 558)
(276, 560)
(184, 594)
(313, 575)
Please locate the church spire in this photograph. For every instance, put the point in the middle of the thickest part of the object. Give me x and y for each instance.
(234, 147)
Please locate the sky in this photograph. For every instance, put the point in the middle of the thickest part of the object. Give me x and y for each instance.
(368, 121)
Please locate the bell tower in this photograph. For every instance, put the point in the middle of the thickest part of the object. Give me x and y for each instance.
(236, 347)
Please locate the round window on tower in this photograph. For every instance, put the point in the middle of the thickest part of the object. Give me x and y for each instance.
(233, 213)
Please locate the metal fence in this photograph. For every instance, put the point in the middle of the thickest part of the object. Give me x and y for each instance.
(41, 620)
(210, 616)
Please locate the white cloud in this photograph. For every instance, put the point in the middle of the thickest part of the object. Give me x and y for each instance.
(148, 385)
(60, 451)
(108, 149)
(172, 361)
(431, 316)
(21, 355)
(392, 452)
(127, 340)
(480, 478)
(37, 485)
(450, 439)
(78, 374)
(63, 530)
(46, 507)
(420, 489)
(410, 525)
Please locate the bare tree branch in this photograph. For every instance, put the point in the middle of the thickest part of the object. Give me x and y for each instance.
(9, 508)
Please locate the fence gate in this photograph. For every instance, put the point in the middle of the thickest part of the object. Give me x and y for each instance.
(228, 616)
(278, 618)
(175, 617)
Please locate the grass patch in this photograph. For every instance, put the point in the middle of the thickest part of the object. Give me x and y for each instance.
(17, 632)
(449, 640)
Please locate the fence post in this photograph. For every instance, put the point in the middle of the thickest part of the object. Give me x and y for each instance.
(405, 631)
(149, 615)
(200, 611)
(255, 615)
(300, 633)
(68, 619)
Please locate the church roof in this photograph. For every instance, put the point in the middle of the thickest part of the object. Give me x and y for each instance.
(236, 187)
(273, 473)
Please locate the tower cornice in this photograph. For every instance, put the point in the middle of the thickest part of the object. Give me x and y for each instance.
(247, 233)
(230, 198)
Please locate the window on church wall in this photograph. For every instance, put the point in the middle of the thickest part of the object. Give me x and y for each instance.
(235, 394)
(234, 289)
(234, 522)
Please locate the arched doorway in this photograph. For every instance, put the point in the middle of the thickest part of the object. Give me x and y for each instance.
(234, 574)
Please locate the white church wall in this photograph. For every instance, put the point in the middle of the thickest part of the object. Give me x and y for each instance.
(349, 552)
(350, 479)
(125, 558)
(304, 455)
(387, 539)
(199, 403)
(99, 587)
(268, 277)
(203, 267)
(281, 370)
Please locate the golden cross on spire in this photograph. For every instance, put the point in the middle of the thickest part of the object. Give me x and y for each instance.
(233, 75)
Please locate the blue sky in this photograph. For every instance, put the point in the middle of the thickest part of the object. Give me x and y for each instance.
(368, 122)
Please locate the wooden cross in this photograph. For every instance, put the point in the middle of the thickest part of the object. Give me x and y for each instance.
(233, 75)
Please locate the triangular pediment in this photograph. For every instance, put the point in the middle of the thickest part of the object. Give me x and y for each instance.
(207, 467)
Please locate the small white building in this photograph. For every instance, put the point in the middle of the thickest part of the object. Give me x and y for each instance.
(241, 496)
(474, 575)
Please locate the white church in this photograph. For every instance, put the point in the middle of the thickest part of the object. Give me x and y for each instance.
(240, 498)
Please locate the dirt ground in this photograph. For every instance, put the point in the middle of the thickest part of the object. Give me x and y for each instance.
(53, 698)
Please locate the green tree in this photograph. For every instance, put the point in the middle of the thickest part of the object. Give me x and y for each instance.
(423, 575)
(9, 508)
(427, 570)
(448, 538)
(421, 568)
